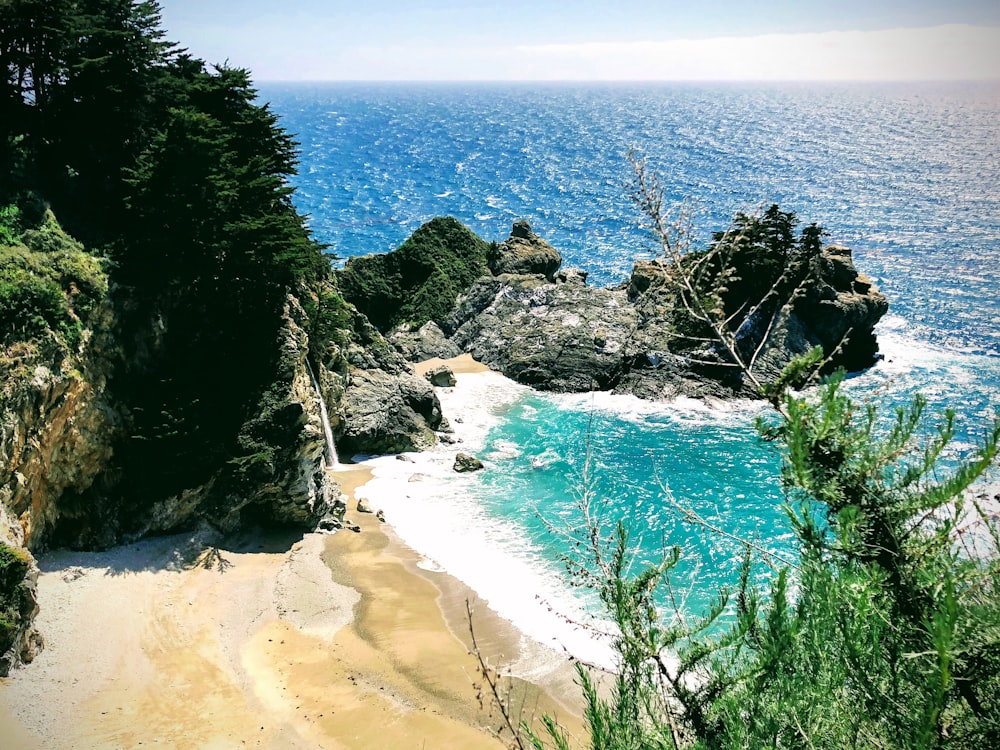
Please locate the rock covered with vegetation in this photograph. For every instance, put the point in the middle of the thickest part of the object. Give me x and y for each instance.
(19, 642)
(418, 281)
(781, 294)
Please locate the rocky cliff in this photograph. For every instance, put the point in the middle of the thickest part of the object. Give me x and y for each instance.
(74, 466)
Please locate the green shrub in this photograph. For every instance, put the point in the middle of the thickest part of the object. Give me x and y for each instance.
(14, 564)
(10, 225)
(30, 306)
(48, 284)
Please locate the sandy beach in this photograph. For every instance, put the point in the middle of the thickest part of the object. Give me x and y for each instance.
(268, 639)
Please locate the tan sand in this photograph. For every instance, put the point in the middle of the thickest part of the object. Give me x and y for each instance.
(463, 363)
(272, 642)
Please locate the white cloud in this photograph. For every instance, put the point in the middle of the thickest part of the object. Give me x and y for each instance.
(938, 53)
(952, 52)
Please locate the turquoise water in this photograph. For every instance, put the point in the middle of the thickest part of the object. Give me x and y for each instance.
(907, 175)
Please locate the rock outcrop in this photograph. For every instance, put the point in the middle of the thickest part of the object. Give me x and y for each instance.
(563, 337)
(388, 413)
(440, 377)
(524, 252)
(555, 333)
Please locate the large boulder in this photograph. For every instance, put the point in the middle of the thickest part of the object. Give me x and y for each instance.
(387, 413)
(562, 337)
(524, 252)
(427, 342)
(441, 376)
(466, 463)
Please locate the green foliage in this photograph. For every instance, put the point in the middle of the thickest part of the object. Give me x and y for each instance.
(176, 170)
(333, 318)
(755, 252)
(10, 224)
(14, 564)
(48, 284)
(420, 280)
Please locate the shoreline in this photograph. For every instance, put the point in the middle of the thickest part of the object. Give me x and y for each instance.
(268, 639)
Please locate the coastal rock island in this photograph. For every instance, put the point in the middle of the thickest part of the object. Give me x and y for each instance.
(543, 326)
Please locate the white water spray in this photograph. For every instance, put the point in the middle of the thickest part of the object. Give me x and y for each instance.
(330, 454)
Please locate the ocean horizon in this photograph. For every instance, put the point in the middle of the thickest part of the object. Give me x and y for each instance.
(906, 175)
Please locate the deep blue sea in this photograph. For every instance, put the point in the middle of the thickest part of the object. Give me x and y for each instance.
(907, 175)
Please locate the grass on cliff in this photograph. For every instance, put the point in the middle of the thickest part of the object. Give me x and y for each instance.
(420, 280)
(49, 284)
(13, 567)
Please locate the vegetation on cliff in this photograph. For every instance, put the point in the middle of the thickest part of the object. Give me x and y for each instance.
(48, 284)
(420, 280)
(50, 288)
(173, 171)
(15, 603)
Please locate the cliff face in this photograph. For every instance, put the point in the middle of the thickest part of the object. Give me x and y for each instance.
(76, 385)
(57, 435)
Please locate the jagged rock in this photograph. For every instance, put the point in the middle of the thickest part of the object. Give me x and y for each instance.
(57, 434)
(563, 337)
(645, 273)
(571, 276)
(464, 463)
(403, 457)
(380, 515)
(569, 337)
(427, 342)
(363, 506)
(524, 253)
(386, 413)
(441, 376)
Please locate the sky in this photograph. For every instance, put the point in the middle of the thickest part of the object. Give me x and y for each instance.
(451, 40)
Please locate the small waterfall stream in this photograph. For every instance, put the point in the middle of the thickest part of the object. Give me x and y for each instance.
(330, 454)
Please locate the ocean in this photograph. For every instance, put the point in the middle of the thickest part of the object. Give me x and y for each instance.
(907, 175)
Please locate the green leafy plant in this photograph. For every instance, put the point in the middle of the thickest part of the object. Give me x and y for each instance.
(14, 565)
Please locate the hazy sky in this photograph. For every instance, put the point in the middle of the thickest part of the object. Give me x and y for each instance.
(594, 39)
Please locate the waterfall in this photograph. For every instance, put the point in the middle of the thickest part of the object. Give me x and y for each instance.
(330, 454)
